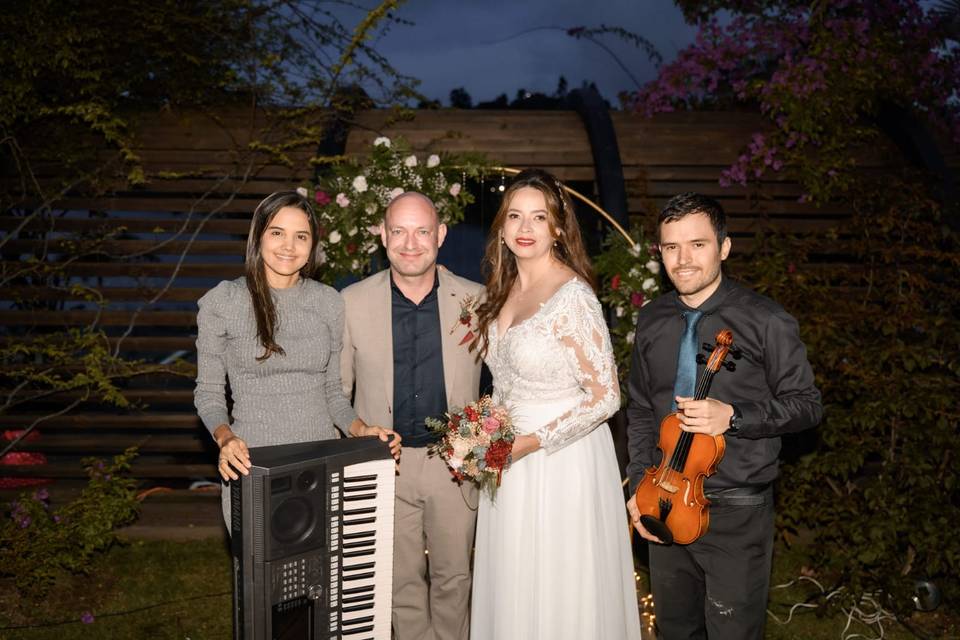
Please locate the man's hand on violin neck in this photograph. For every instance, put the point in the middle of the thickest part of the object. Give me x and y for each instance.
(709, 416)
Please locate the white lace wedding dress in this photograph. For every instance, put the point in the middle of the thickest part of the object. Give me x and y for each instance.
(552, 556)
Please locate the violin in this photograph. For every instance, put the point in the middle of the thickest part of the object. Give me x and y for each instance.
(670, 496)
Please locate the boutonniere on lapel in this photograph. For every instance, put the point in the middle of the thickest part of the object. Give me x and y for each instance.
(467, 315)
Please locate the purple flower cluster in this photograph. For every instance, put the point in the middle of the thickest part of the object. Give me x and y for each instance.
(816, 74)
(21, 517)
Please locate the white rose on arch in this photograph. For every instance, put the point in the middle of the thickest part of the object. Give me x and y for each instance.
(455, 189)
(410, 161)
(382, 141)
(395, 193)
(433, 160)
(343, 200)
(649, 284)
(302, 191)
(360, 184)
(334, 237)
(653, 267)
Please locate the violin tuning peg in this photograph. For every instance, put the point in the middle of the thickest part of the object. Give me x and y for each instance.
(708, 347)
(736, 353)
(730, 366)
(701, 359)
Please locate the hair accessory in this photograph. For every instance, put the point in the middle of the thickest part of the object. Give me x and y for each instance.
(559, 187)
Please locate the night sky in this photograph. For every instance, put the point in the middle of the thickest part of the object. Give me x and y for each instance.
(491, 47)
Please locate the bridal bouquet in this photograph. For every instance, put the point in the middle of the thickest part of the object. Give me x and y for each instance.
(476, 443)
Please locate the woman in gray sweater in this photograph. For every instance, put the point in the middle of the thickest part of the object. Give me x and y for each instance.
(276, 335)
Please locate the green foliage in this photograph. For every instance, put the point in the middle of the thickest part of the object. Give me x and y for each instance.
(76, 75)
(881, 494)
(38, 544)
(628, 275)
(351, 202)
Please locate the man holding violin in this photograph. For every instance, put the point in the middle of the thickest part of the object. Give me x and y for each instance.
(716, 586)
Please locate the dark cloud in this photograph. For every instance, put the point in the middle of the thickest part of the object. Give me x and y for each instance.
(500, 46)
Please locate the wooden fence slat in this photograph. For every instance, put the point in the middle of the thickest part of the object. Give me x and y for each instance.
(143, 269)
(121, 248)
(105, 421)
(105, 318)
(140, 469)
(170, 224)
(110, 294)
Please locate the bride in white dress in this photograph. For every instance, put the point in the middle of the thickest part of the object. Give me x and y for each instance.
(552, 557)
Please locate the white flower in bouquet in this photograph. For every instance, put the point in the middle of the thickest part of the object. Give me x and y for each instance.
(352, 231)
(371, 247)
(374, 229)
(461, 448)
(649, 284)
(334, 237)
(619, 311)
(382, 141)
(371, 209)
(433, 160)
(410, 161)
(355, 265)
(360, 184)
(653, 267)
(302, 191)
(343, 200)
(455, 189)
(395, 193)
(635, 250)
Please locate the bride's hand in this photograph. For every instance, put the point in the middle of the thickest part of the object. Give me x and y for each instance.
(522, 445)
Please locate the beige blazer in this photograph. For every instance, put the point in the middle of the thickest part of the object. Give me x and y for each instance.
(366, 362)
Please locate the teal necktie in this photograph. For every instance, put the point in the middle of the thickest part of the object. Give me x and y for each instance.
(686, 379)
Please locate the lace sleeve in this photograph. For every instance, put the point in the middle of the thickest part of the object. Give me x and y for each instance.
(586, 347)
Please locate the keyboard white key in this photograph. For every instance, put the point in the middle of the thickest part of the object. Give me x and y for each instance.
(366, 550)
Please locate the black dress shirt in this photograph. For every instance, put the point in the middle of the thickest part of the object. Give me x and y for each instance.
(772, 385)
(418, 387)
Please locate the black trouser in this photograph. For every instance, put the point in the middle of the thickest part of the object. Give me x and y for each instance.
(717, 586)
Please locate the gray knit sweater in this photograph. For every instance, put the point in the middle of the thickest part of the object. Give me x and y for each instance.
(295, 397)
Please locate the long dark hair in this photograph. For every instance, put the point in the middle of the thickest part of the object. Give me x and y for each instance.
(499, 263)
(263, 307)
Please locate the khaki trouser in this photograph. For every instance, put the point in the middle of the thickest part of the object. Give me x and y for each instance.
(434, 514)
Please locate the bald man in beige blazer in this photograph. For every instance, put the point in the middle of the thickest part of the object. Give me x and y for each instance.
(433, 512)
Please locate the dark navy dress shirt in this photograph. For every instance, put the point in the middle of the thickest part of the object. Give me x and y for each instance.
(418, 387)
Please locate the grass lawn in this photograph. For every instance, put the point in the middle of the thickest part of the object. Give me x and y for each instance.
(181, 590)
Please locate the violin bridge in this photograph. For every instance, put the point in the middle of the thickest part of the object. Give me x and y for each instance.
(668, 486)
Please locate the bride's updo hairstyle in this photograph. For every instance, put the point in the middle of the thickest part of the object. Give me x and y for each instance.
(499, 263)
